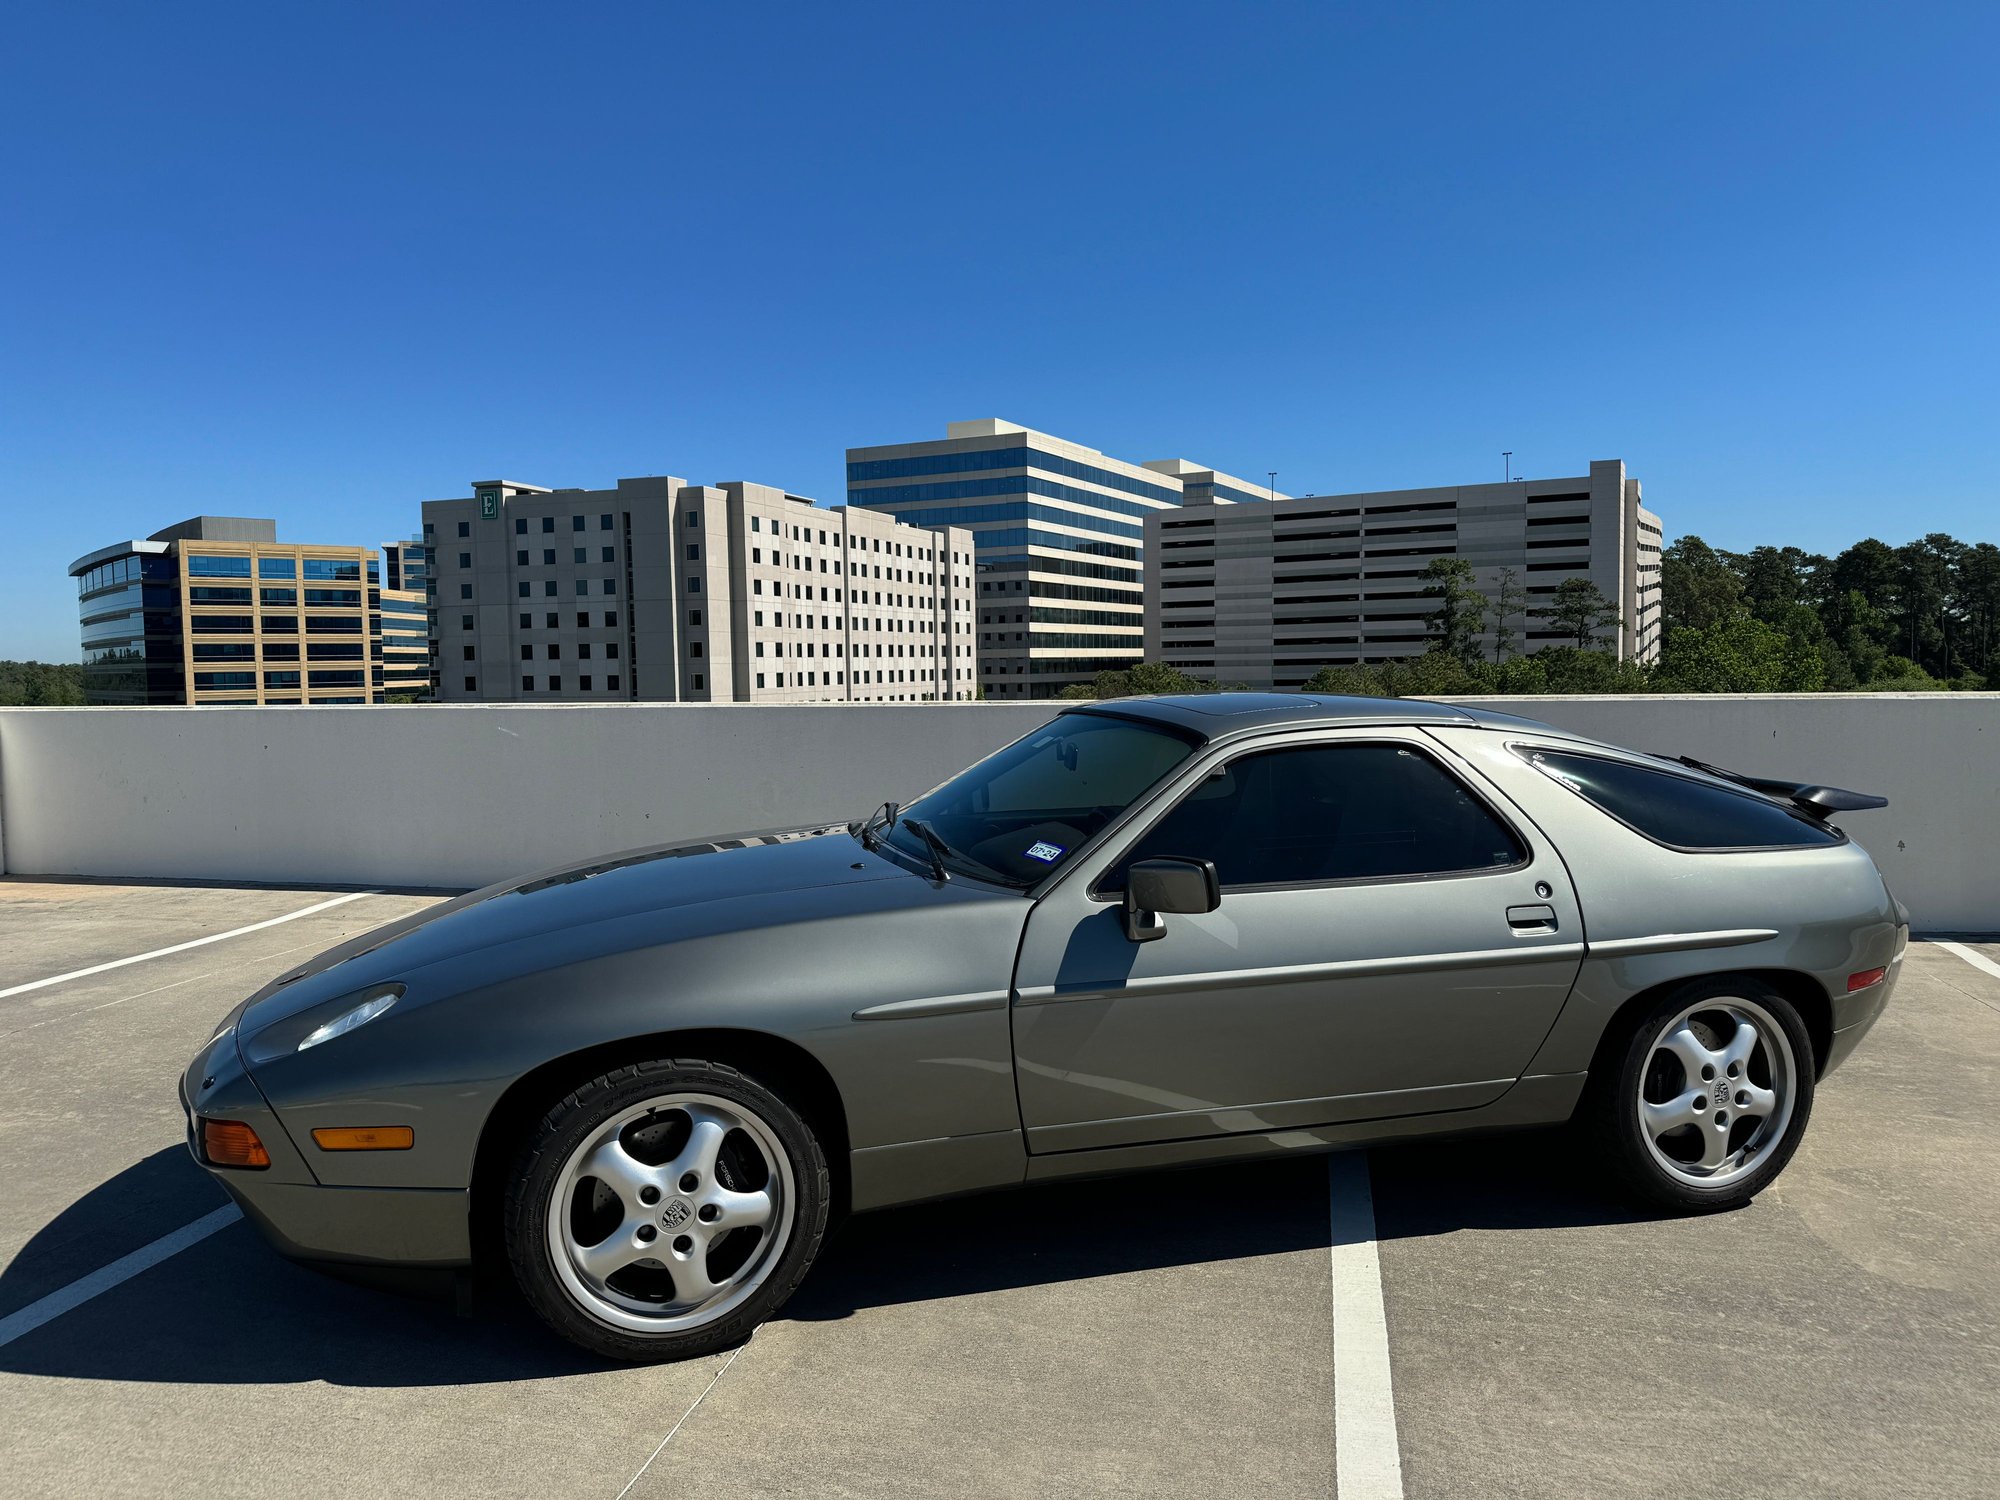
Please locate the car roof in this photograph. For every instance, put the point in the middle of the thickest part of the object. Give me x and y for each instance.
(1216, 716)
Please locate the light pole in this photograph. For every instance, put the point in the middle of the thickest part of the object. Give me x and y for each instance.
(1274, 485)
(1507, 465)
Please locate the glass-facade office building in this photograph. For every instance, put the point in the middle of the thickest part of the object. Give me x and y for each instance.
(217, 611)
(1058, 531)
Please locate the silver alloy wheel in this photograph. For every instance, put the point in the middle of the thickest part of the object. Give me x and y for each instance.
(670, 1214)
(1716, 1092)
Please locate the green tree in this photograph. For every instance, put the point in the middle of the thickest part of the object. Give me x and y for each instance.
(1454, 623)
(1509, 600)
(1144, 679)
(1579, 610)
(40, 684)
(1738, 656)
(1697, 587)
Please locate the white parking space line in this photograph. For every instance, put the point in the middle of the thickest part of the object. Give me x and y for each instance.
(53, 1306)
(1977, 960)
(200, 942)
(1367, 1462)
(678, 1425)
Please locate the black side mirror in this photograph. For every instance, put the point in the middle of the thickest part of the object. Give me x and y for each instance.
(1172, 884)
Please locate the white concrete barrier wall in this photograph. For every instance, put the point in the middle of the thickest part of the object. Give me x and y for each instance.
(460, 796)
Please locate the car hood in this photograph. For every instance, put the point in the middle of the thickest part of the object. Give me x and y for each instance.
(626, 888)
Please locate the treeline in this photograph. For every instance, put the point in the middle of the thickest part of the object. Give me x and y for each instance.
(1923, 617)
(40, 684)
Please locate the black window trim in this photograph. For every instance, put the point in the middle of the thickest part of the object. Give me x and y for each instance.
(1235, 749)
(1528, 750)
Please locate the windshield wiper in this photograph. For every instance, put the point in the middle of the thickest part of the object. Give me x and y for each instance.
(938, 847)
(865, 830)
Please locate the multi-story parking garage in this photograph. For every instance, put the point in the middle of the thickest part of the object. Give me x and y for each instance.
(1268, 594)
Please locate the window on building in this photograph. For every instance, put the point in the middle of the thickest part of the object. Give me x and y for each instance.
(611, 650)
(548, 523)
(611, 619)
(465, 591)
(699, 682)
(554, 651)
(472, 684)
(521, 557)
(468, 653)
(757, 524)
(555, 684)
(527, 683)
(760, 679)
(583, 684)
(611, 683)
(527, 651)
(465, 559)
(577, 554)
(527, 622)
(610, 585)
(604, 523)
(520, 526)
(694, 585)
(583, 651)
(610, 555)
(576, 523)
(694, 519)
(583, 585)
(553, 619)
(465, 622)
(694, 648)
(465, 528)
(583, 619)
(694, 551)
(549, 588)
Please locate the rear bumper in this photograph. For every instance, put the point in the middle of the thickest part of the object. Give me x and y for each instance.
(1854, 1015)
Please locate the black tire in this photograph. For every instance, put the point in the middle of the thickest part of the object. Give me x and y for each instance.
(572, 1120)
(1610, 1115)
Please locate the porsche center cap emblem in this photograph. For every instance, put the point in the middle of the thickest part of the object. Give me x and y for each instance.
(677, 1212)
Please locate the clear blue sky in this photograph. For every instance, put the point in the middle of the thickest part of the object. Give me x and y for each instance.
(325, 262)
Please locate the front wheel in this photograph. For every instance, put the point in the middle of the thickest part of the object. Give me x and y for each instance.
(665, 1209)
(1706, 1100)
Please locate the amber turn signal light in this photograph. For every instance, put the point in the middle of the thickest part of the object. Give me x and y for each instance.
(366, 1138)
(231, 1143)
(1865, 978)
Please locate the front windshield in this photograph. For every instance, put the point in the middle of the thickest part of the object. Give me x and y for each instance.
(1024, 810)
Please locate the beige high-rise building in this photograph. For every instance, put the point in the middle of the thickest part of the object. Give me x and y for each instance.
(1267, 595)
(662, 590)
(216, 610)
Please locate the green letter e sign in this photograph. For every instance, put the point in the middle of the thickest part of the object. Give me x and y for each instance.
(489, 505)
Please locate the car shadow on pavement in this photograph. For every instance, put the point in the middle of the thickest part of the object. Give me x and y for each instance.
(228, 1310)
(1109, 1226)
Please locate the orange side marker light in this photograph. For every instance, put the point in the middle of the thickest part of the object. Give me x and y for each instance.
(365, 1138)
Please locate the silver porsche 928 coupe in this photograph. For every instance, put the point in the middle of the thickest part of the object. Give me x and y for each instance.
(1153, 932)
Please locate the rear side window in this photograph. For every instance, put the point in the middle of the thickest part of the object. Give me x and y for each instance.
(1325, 813)
(1679, 810)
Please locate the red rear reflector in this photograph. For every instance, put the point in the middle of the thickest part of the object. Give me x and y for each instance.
(1865, 978)
(366, 1138)
(231, 1143)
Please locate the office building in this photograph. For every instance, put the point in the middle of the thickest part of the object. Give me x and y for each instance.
(216, 610)
(406, 565)
(1267, 595)
(1057, 529)
(667, 591)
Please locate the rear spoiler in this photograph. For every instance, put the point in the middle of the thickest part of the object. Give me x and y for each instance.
(1816, 802)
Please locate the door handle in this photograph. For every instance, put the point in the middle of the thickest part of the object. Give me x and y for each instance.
(1532, 918)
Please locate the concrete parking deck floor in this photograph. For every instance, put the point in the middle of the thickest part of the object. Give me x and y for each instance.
(1159, 1335)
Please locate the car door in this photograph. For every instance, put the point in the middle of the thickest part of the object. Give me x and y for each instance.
(1392, 939)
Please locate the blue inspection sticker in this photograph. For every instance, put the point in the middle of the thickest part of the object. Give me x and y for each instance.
(1048, 854)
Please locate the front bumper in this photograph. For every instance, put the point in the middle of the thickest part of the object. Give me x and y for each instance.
(416, 1227)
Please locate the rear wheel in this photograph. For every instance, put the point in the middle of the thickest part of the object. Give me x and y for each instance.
(665, 1209)
(1707, 1098)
